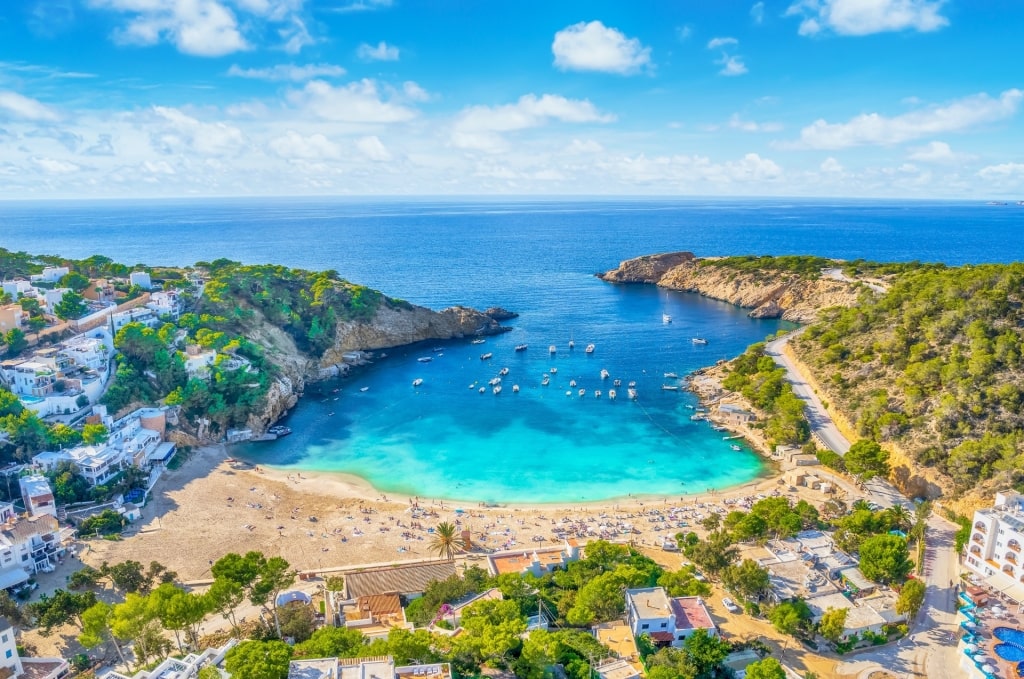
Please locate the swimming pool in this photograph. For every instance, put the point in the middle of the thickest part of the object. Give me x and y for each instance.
(1012, 648)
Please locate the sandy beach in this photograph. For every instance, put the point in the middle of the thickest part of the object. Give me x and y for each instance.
(214, 504)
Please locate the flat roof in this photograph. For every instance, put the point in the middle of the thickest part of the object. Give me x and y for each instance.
(691, 613)
(617, 669)
(319, 668)
(650, 602)
(517, 562)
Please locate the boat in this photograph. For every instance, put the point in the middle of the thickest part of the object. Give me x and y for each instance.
(437, 349)
(279, 430)
(568, 392)
(632, 383)
(605, 374)
(699, 340)
(669, 387)
(521, 347)
(735, 447)
(473, 386)
(572, 345)
(478, 341)
(497, 390)
(597, 393)
(482, 390)
(617, 382)
(672, 376)
(665, 318)
(554, 371)
(612, 394)
(503, 372)
(589, 349)
(425, 359)
(552, 349)
(494, 381)
(417, 382)
(545, 382)
(632, 393)
(485, 357)
(582, 393)
(718, 427)
(572, 383)
(515, 388)
(365, 389)
(698, 417)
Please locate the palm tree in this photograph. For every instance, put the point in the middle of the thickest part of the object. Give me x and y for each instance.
(860, 504)
(900, 516)
(447, 540)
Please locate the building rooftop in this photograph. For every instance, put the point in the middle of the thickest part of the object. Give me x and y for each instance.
(650, 602)
(379, 605)
(691, 613)
(397, 579)
(617, 669)
(37, 487)
(517, 562)
(320, 668)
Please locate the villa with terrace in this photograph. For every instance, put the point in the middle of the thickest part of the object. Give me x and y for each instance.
(668, 621)
(179, 668)
(535, 561)
(29, 545)
(378, 667)
(993, 552)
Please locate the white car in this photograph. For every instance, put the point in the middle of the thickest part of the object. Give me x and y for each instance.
(731, 605)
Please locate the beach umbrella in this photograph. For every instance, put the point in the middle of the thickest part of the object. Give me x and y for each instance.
(971, 648)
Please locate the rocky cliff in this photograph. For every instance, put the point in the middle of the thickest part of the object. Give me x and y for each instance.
(770, 294)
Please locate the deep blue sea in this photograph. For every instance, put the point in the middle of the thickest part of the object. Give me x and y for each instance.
(444, 439)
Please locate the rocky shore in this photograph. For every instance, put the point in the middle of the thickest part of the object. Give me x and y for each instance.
(769, 294)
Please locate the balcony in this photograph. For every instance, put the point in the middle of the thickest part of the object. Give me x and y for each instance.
(1014, 545)
(981, 526)
(1008, 569)
(1011, 557)
(978, 538)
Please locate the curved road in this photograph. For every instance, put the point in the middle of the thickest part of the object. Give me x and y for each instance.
(929, 650)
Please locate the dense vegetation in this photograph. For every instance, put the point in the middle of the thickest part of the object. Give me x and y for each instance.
(935, 365)
(802, 265)
(763, 383)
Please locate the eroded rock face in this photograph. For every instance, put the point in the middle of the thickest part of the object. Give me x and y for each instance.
(770, 294)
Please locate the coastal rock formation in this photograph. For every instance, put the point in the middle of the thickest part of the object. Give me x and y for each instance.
(770, 294)
(500, 314)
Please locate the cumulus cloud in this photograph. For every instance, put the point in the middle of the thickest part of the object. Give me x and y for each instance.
(732, 64)
(865, 17)
(414, 92)
(581, 146)
(875, 129)
(479, 127)
(381, 52)
(313, 147)
(1002, 171)
(177, 131)
(937, 152)
(292, 72)
(738, 123)
(373, 148)
(205, 28)
(684, 169)
(831, 166)
(104, 146)
(362, 6)
(53, 166)
(356, 102)
(596, 47)
(19, 106)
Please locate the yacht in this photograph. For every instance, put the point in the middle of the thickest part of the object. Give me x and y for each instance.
(521, 347)
(497, 390)
(494, 381)
(672, 376)
(546, 381)
(597, 393)
(425, 359)
(605, 374)
(365, 389)
(612, 394)
(554, 371)
(515, 388)
(552, 349)
(572, 383)
(417, 382)
(665, 318)
(482, 390)
(590, 349)
(699, 340)
(485, 357)
(503, 372)
(632, 393)
(582, 392)
(478, 341)
(279, 430)
(669, 387)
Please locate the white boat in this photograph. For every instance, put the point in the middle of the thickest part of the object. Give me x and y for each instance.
(735, 447)
(632, 383)
(582, 393)
(672, 376)
(473, 386)
(605, 374)
(417, 382)
(699, 340)
(632, 393)
(365, 389)
(482, 390)
(665, 318)
(669, 387)
(572, 383)
(494, 381)
(589, 349)
(572, 345)
(485, 357)
(521, 347)
(497, 390)
(503, 372)
(597, 393)
(568, 392)
(425, 359)
(478, 341)
(552, 349)
(554, 371)
(545, 382)
(612, 394)
(617, 382)
(515, 388)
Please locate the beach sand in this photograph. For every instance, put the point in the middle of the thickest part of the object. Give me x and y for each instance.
(213, 505)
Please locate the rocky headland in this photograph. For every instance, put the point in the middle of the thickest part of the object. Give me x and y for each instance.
(768, 293)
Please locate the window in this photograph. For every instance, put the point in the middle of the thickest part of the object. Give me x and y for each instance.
(681, 637)
(8, 653)
(664, 625)
(644, 626)
(3, 638)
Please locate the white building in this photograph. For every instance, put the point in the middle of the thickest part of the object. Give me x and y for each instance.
(146, 317)
(165, 303)
(666, 620)
(37, 495)
(198, 361)
(141, 279)
(536, 561)
(91, 350)
(28, 378)
(31, 668)
(374, 667)
(994, 549)
(52, 298)
(51, 274)
(18, 288)
(29, 545)
(179, 668)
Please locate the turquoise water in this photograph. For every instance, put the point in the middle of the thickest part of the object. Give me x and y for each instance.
(536, 257)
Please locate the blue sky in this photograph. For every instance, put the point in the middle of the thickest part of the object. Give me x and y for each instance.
(846, 98)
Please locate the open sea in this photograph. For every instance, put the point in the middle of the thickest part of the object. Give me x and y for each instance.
(446, 440)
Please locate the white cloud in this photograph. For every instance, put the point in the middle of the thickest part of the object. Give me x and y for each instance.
(831, 166)
(414, 92)
(865, 17)
(356, 102)
(875, 129)
(684, 32)
(1002, 171)
(362, 6)
(104, 146)
(295, 36)
(177, 131)
(382, 52)
(731, 65)
(715, 43)
(757, 12)
(292, 72)
(53, 166)
(478, 127)
(579, 147)
(596, 47)
(205, 28)
(737, 123)
(25, 108)
(937, 152)
(373, 148)
(689, 170)
(314, 147)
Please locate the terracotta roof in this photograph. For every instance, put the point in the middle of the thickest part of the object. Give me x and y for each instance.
(24, 529)
(397, 579)
(661, 636)
(691, 613)
(379, 604)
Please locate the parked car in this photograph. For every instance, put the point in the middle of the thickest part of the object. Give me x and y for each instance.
(731, 605)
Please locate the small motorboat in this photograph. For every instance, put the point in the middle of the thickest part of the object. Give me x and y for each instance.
(503, 372)
(597, 393)
(572, 383)
(617, 382)
(279, 430)
(665, 318)
(735, 447)
(552, 349)
(495, 381)
(553, 371)
(582, 393)
(478, 341)
(521, 347)
(515, 388)
(669, 387)
(632, 384)
(497, 390)
(632, 393)
(612, 394)
(482, 390)
(605, 374)
(590, 349)
(473, 386)
(425, 359)
(672, 376)
(365, 389)
(699, 340)
(437, 349)
(545, 382)
(486, 357)
(417, 382)
(568, 392)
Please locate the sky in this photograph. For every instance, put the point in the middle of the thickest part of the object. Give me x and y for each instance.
(829, 98)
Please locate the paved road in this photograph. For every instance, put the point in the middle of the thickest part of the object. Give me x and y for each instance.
(821, 424)
(929, 650)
